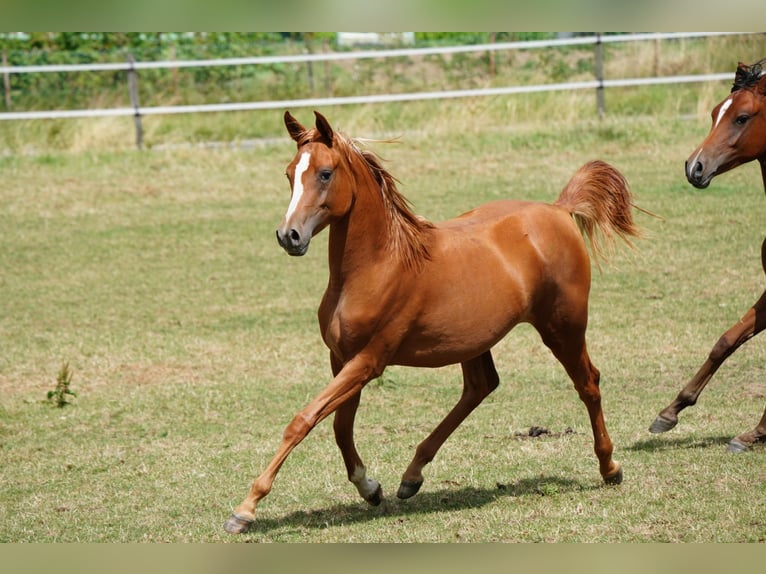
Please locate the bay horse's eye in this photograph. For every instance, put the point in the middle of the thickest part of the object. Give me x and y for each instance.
(325, 175)
(742, 119)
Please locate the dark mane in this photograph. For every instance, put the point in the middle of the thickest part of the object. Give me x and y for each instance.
(748, 76)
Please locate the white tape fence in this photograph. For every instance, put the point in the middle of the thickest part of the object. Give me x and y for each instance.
(132, 68)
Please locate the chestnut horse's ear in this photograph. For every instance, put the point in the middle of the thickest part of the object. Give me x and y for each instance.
(324, 129)
(294, 128)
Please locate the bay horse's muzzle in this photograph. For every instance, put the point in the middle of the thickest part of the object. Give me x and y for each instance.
(291, 241)
(695, 174)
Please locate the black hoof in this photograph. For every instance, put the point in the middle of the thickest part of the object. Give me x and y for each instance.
(237, 524)
(376, 498)
(737, 446)
(408, 488)
(614, 479)
(661, 424)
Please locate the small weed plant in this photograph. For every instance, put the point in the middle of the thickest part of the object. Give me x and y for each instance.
(62, 390)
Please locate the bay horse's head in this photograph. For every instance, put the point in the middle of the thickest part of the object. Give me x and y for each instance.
(738, 134)
(321, 189)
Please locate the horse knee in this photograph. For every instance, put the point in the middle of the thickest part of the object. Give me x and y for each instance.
(722, 349)
(297, 429)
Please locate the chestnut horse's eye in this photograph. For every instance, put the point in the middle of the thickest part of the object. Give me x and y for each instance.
(741, 119)
(325, 175)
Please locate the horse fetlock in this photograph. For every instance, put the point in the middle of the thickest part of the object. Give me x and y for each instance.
(369, 489)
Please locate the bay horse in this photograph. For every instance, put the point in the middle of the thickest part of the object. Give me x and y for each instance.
(737, 136)
(405, 291)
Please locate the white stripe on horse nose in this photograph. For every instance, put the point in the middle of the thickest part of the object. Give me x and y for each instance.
(722, 111)
(300, 169)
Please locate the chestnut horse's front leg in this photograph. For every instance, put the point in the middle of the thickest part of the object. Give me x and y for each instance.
(344, 387)
(752, 323)
(343, 426)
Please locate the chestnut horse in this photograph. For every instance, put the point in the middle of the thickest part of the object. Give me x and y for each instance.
(405, 291)
(738, 136)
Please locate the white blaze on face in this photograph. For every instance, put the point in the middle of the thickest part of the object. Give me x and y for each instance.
(722, 111)
(724, 106)
(300, 169)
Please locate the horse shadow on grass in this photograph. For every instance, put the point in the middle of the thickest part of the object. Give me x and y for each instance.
(446, 499)
(662, 443)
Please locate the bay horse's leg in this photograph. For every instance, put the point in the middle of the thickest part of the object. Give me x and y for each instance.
(568, 346)
(752, 323)
(479, 380)
(343, 426)
(345, 386)
(743, 441)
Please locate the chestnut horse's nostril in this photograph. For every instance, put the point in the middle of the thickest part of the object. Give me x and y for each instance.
(291, 237)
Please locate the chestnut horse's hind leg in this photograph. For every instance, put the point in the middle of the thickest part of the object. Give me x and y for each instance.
(571, 352)
(343, 426)
(479, 380)
(752, 323)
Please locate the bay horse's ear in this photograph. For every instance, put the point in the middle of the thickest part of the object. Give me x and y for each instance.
(741, 74)
(294, 128)
(324, 129)
(762, 85)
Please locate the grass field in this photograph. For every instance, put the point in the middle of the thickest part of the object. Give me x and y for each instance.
(192, 341)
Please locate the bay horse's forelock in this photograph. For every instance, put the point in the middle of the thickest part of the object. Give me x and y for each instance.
(737, 136)
(404, 291)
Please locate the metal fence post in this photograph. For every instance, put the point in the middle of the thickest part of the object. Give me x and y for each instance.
(133, 87)
(600, 76)
(7, 83)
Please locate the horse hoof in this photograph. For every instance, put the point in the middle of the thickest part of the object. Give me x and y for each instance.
(237, 524)
(408, 488)
(376, 498)
(737, 446)
(661, 424)
(615, 479)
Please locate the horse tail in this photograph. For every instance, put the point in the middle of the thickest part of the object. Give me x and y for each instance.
(600, 201)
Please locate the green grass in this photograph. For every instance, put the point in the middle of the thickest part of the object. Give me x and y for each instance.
(192, 340)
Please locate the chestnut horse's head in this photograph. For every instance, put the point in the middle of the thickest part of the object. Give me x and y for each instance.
(320, 185)
(738, 134)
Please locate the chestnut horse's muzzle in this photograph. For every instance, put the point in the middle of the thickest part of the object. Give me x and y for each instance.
(291, 241)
